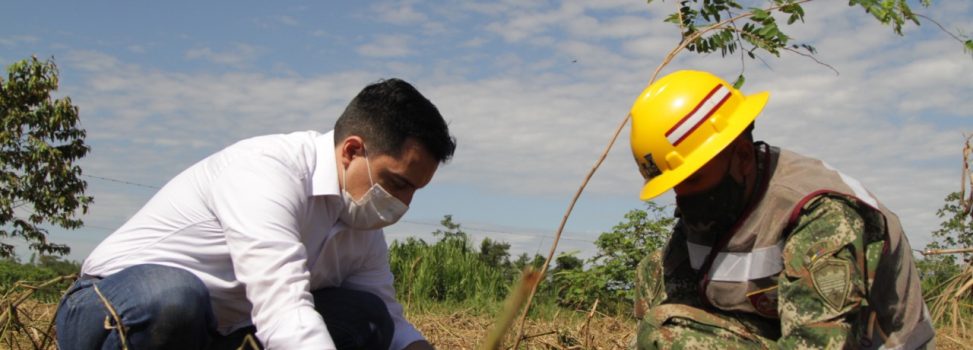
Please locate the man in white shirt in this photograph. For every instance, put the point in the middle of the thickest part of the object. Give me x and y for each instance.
(278, 236)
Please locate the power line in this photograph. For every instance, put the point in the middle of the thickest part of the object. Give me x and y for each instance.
(121, 181)
(484, 230)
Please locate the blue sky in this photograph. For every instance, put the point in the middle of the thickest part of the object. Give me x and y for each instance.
(532, 90)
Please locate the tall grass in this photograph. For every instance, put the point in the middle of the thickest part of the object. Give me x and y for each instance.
(449, 271)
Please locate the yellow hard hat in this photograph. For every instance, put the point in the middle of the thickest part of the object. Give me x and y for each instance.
(682, 121)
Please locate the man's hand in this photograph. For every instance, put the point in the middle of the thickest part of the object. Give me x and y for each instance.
(419, 345)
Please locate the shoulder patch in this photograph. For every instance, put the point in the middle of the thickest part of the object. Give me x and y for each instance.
(764, 301)
(832, 281)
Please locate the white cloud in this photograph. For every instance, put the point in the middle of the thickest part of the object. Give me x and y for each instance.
(531, 123)
(140, 49)
(12, 40)
(238, 56)
(475, 42)
(287, 20)
(405, 14)
(394, 45)
(525, 22)
(399, 13)
(189, 115)
(277, 21)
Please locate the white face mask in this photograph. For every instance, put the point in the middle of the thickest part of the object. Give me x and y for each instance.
(376, 209)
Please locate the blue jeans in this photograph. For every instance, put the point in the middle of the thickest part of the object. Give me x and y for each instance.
(164, 307)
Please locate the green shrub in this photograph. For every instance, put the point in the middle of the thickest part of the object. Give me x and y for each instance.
(34, 273)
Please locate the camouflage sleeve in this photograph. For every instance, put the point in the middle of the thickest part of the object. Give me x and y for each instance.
(665, 277)
(821, 288)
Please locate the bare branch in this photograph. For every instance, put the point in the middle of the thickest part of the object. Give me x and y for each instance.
(967, 202)
(808, 55)
(947, 251)
(815, 59)
(957, 38)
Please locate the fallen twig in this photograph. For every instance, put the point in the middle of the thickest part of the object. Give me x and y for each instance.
(586, 335)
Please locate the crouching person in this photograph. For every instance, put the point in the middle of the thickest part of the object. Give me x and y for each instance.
(275, 241)
(772, 249)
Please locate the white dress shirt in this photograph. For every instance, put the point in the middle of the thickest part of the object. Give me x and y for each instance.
(258, 223)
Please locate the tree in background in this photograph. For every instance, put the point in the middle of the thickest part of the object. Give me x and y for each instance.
(451, 231)
(524, 260)
(956, 230)
(611, 275)
(568, 261)
(495, 253)
(40, 142)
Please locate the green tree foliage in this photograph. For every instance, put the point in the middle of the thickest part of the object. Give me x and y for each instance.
(611, 275)
(495, 253)
(956, 230)
(727, 26)
(568, 261)
(759, 27)
(524, 260)
(642, 232)
(451, 271)
(935, 271)
(451, 231)
(40, 142)
(46, 267)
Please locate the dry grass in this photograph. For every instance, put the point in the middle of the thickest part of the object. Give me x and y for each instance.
(465, 330)
(461, 329)
(30, 327)
(27, 324)
(952, 310)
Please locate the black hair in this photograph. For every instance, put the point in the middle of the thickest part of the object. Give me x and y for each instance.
(388, 112)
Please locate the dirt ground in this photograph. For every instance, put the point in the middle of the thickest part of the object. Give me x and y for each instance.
(462, 330)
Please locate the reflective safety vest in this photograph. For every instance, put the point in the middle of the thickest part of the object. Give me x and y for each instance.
(742, 275)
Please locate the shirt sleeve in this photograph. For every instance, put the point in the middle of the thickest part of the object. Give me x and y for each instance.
(375, 276)
(258, 201)
(822, 287)
(681, 281)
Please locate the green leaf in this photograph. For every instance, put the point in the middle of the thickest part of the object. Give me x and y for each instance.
(673, 18)
(759, 15)
(737, 84)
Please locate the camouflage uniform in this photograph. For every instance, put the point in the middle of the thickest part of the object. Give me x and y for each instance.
(820, 296)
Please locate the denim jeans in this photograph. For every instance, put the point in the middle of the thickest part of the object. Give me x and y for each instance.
(164, 307)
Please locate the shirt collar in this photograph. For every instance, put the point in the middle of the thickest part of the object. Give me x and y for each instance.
(324, 180)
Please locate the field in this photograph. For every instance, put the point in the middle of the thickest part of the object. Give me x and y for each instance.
(453, 293)
(448, 325)
(451, 328)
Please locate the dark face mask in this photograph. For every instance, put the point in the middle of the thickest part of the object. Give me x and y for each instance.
(714, 210)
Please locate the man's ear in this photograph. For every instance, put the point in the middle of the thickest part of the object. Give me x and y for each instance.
(349, 148)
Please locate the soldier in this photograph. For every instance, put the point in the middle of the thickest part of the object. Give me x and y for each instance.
(771, 249)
